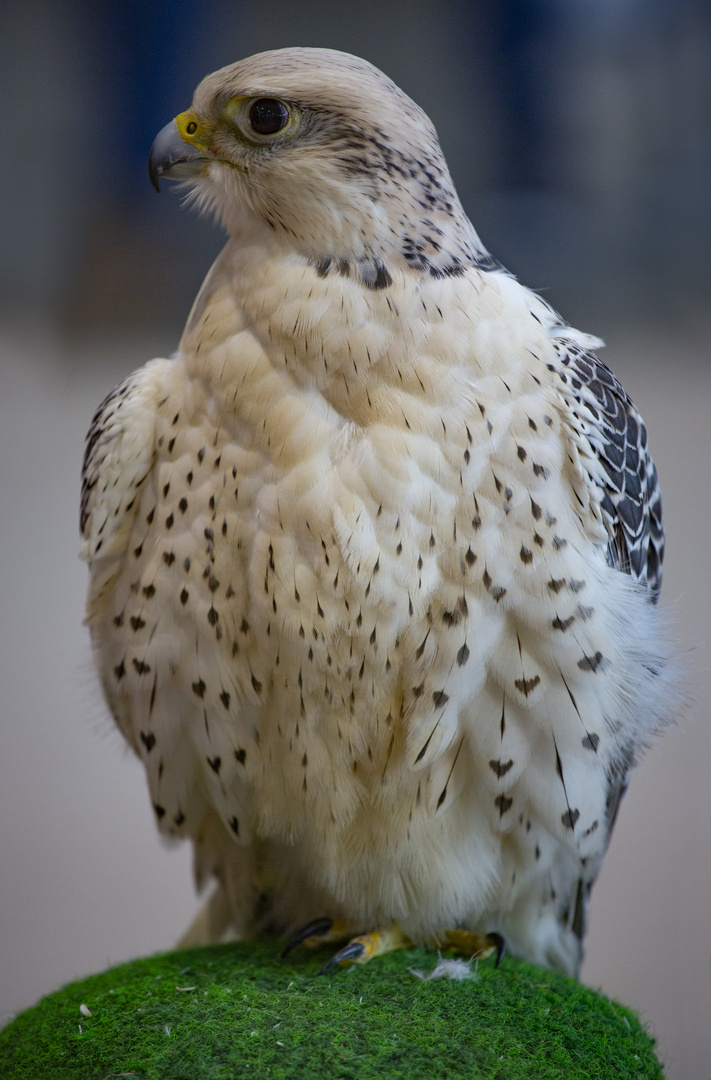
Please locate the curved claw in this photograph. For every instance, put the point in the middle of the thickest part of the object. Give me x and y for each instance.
(353, 951)
(497, 942)
(316, 928)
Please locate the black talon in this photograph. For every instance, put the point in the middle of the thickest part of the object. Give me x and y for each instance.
(498, 943)
(348, 952)
(316, 928)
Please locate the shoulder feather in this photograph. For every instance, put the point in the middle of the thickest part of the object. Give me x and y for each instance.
(120, 449)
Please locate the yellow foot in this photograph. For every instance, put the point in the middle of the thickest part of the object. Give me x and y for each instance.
(468, 943)
(363, 948)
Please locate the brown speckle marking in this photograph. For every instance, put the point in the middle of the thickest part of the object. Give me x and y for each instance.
(526, 555)
(526, 686)
(440, 699)
(562, 624)
(591, 663)
(451, 618)
(591, 741)
(199, 688)
(500, 767)
(569, 818)
(241, 755)
(503, 803)
(463, 655)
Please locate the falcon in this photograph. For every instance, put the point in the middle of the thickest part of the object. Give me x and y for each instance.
(374, 557)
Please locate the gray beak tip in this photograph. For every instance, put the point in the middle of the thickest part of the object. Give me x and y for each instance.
(171, 156)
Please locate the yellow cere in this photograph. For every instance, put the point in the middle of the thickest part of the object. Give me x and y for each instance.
(191, 130)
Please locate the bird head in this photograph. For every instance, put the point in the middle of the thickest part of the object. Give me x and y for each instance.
(328, 154)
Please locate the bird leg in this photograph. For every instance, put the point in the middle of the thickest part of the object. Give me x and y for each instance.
(317, 932)
(363, 947)
(471, 944)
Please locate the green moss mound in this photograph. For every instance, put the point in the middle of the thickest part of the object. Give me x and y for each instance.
(240, 1011)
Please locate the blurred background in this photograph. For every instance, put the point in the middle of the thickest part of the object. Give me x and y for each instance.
(578, 133)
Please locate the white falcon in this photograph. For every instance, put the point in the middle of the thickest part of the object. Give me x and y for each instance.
(374, 556)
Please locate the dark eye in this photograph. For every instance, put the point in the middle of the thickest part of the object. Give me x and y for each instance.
(267, 116)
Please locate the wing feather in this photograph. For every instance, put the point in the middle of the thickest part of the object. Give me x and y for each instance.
(603, 415)
(602, 412)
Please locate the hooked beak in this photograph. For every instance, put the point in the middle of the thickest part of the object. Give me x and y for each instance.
(175, 154)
